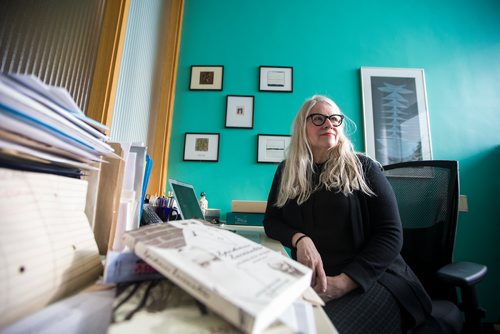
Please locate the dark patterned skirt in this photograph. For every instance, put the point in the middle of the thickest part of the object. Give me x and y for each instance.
(373, 311)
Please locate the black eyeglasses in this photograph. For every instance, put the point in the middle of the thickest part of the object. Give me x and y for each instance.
(320, 119)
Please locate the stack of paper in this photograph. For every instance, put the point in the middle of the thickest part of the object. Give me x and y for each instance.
(47, 145)
(42, 129)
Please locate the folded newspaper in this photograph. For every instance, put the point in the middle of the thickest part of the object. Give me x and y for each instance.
(244, 282)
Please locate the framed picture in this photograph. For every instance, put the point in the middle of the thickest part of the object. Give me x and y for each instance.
(206, 77)
(275, 79)
(272, 148)
(395, 113)
(239, 111)
(201, 147)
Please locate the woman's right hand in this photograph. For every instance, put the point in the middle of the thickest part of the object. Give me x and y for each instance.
(308, 255)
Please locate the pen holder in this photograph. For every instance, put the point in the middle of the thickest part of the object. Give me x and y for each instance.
(165, 213)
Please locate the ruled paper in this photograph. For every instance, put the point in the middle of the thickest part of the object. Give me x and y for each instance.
(47, 248)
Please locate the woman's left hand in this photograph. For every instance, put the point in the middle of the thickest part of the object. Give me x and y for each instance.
(337, 286)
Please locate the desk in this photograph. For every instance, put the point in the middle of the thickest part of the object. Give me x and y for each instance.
(90, 311)
(323, 323)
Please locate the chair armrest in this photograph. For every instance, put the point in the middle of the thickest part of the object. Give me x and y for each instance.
(462, 274)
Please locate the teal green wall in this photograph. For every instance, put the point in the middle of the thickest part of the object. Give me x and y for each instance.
(457, 43)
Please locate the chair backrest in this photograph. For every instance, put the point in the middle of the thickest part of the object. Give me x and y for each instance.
(427, 193)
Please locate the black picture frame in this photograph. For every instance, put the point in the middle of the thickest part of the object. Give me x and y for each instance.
(240, 111)
(201, 146)
(271, 148)
(276, 79)
(206, 77)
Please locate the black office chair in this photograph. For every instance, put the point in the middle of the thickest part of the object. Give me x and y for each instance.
(428, 194)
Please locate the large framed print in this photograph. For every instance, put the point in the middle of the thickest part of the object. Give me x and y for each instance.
(396, 118)
(272, 148)
(201, 147)
(275, 79)
(239, 111)
(206, 77)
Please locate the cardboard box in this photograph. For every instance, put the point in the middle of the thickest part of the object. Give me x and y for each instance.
(249, 206)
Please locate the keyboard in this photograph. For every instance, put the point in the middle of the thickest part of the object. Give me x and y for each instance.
(149, 216)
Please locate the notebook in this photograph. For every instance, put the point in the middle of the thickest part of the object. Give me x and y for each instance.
(187, 202)
(48, 250)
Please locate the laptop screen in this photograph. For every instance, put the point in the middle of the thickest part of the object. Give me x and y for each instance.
(187, 202)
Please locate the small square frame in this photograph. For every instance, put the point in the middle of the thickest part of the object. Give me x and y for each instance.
(209, 77)
(395, 113)
(276, 79)
(201, 147)
(239, 111)
(272, 148)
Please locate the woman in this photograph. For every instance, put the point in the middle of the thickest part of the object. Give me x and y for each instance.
(337, 212)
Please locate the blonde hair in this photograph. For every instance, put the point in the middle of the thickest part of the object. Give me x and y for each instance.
(342, 168)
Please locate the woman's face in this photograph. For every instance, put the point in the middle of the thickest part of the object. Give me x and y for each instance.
(324, 137)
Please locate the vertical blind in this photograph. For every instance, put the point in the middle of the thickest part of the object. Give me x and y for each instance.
(138, 72)
(56, 40)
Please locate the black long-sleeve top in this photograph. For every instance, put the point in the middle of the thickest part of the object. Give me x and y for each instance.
(357, 234)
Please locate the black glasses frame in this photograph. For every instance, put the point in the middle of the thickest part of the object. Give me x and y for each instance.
(331, 118)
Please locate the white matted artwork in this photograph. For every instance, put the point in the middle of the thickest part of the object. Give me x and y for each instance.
(201, 147)
(395, 112)
(272, 148)
(239, 111)
(275, 78)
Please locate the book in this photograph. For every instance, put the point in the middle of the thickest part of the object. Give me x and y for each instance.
(47, 248)
(127, 267)
(242, 281)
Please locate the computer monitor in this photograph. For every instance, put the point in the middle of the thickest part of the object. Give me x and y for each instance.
(185, 197)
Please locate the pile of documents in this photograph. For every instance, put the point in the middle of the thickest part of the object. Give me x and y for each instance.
(48, 149)
(43, 130)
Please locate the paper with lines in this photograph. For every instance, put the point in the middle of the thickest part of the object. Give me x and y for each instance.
(47, 248)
